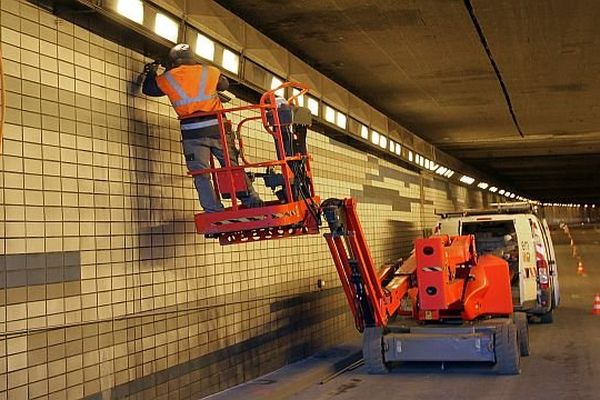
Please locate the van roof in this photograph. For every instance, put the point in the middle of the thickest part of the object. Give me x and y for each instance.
(496, 208)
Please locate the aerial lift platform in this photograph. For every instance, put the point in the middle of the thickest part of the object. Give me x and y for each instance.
(444, 303)
(295, 212)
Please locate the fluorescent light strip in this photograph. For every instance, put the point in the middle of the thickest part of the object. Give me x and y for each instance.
(313, 105)
(336, 117)
(364, 132)
(467, 179)
(295, 92)
(132, 9)
(231, 61)
(276, 82)
(493, 189)
(398, 149)
(166, 27)
(382, 141)
(341, 120)
(482, 185)
(374, 137)
(205, 47)
(329, 114)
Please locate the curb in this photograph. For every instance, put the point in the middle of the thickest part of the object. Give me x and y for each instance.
(294, 378)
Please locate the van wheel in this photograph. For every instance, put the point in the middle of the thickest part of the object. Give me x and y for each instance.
(522, 325)
(547, 318)
(508, 360)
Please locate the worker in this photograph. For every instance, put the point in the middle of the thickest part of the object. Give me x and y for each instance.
(293, 124)
(510, 253)
(191, 88)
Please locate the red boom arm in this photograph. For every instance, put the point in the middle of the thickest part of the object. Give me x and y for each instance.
(444, 279)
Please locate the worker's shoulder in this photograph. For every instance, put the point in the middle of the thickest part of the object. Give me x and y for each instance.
(211, 68)
(196, 68)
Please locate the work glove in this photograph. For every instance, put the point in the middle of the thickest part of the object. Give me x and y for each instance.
(151, 68)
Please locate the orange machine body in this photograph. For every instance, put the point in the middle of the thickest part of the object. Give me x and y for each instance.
(442, 280)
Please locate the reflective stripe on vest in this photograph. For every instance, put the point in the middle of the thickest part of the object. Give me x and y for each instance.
(198, 125)
(184, 98)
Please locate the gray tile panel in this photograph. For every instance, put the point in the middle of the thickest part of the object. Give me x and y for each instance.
(40, 268)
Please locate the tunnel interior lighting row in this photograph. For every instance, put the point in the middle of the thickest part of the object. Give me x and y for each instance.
(170, 28)
(569, 205)
(444, 171)
(206, 48)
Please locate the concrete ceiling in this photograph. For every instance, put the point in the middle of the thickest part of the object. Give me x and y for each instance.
(509, 86)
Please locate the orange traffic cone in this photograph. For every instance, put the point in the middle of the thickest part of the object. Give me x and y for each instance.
(580, 269)
(596, 306)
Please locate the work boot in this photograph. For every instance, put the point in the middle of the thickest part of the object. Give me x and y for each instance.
(252, 201)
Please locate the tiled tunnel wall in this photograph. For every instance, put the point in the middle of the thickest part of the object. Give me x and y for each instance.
(572, 215)
(106, 291)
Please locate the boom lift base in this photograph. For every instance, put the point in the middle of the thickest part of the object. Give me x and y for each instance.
(470, 341)
(459, 304)
(491, 341)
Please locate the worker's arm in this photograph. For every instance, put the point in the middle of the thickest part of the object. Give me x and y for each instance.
(150, 87)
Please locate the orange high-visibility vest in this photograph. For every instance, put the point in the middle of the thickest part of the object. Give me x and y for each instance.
(191, 88)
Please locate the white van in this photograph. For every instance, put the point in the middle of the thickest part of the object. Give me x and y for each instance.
(517, 233)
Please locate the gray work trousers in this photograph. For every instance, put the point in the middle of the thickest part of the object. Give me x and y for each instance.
(197, 156)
